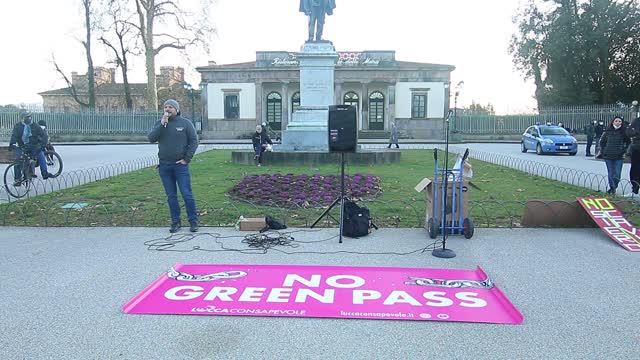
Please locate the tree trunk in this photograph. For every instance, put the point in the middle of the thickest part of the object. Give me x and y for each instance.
(150, 57)
(537, 75)
(152, 92)
(127, 87)
(87, 45)
(124, 64)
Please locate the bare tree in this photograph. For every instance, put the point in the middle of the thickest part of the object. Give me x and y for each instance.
(124, 44)
(86, 4)
(71, 87)
(180, 29)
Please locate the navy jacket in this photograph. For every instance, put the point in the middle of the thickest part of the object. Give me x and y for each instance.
(177, 141)
(37, 139)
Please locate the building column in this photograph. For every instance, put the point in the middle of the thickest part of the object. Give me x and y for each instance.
(285, 104)
(364, 113)
(338, 93)
(259, 101)
(391, 94)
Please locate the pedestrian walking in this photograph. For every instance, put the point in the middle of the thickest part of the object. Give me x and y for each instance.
(393, 138)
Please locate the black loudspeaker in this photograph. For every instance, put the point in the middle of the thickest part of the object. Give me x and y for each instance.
(343, 128)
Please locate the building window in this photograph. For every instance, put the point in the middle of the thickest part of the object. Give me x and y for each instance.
(295, 102)
(376, 111)
(231, 106)
(114, 108)
(274, 111)
(142, 109)
(66, 109)
(419, 106)
(352, 98)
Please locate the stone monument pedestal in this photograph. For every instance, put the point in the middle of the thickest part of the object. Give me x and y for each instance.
(308, 128)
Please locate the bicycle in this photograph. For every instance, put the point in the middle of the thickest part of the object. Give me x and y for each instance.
(54, 161)
(18, 176)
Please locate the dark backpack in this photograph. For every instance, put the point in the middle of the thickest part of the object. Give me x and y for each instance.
(356, 220)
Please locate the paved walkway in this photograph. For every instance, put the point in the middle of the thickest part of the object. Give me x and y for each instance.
(62, 290)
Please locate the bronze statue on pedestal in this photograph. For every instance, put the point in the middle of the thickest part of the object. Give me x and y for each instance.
(316, 11)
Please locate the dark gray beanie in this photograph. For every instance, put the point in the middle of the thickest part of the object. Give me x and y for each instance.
(174, 104)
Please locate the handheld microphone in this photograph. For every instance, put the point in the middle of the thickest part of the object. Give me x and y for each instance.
(166, 114)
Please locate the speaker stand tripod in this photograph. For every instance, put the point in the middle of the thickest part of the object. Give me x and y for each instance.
(340, 199)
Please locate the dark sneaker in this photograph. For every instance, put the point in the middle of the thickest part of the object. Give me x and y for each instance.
(17, 183)
(48, 176)
(193, 227)
(175, 227)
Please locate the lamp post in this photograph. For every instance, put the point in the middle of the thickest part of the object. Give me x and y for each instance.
(636, 108)
(189, 90)
(455, 104)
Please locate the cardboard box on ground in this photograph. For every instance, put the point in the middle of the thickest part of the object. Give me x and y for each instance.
(427, 185)
(252, 224)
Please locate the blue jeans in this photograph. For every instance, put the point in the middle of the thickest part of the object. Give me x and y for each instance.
(172, 174)
(614, 172)
(259, 150)
(35, 153)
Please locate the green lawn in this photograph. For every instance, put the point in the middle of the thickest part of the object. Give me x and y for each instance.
(138, 198)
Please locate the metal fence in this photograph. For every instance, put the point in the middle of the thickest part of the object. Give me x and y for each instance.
(572, 117)
(125, 123)
(132, 123)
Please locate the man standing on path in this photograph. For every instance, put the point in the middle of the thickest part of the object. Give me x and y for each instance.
(177, 143)
(590, 130)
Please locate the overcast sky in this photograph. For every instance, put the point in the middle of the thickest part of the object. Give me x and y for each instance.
(472, 35)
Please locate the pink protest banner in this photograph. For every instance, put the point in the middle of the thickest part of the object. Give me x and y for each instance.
(612, 222)
(327, 291)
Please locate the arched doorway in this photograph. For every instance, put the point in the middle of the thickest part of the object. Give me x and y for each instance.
(295, 102)
(274, 111)
(376, 111)
(351, 98)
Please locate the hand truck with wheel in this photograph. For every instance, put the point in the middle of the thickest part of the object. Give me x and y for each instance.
(448, 213)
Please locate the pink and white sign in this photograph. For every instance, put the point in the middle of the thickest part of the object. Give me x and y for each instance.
(327, 291)
(612, 221)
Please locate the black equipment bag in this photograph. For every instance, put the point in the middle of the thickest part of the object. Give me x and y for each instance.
(356, 220)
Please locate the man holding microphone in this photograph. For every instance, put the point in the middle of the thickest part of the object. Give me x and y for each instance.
(177, 143)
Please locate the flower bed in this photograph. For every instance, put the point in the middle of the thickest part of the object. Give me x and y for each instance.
(303, 190)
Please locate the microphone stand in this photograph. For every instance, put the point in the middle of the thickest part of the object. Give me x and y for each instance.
(444, 252)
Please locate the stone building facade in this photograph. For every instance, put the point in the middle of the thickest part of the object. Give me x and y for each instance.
(414, 95)
(110, 95)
